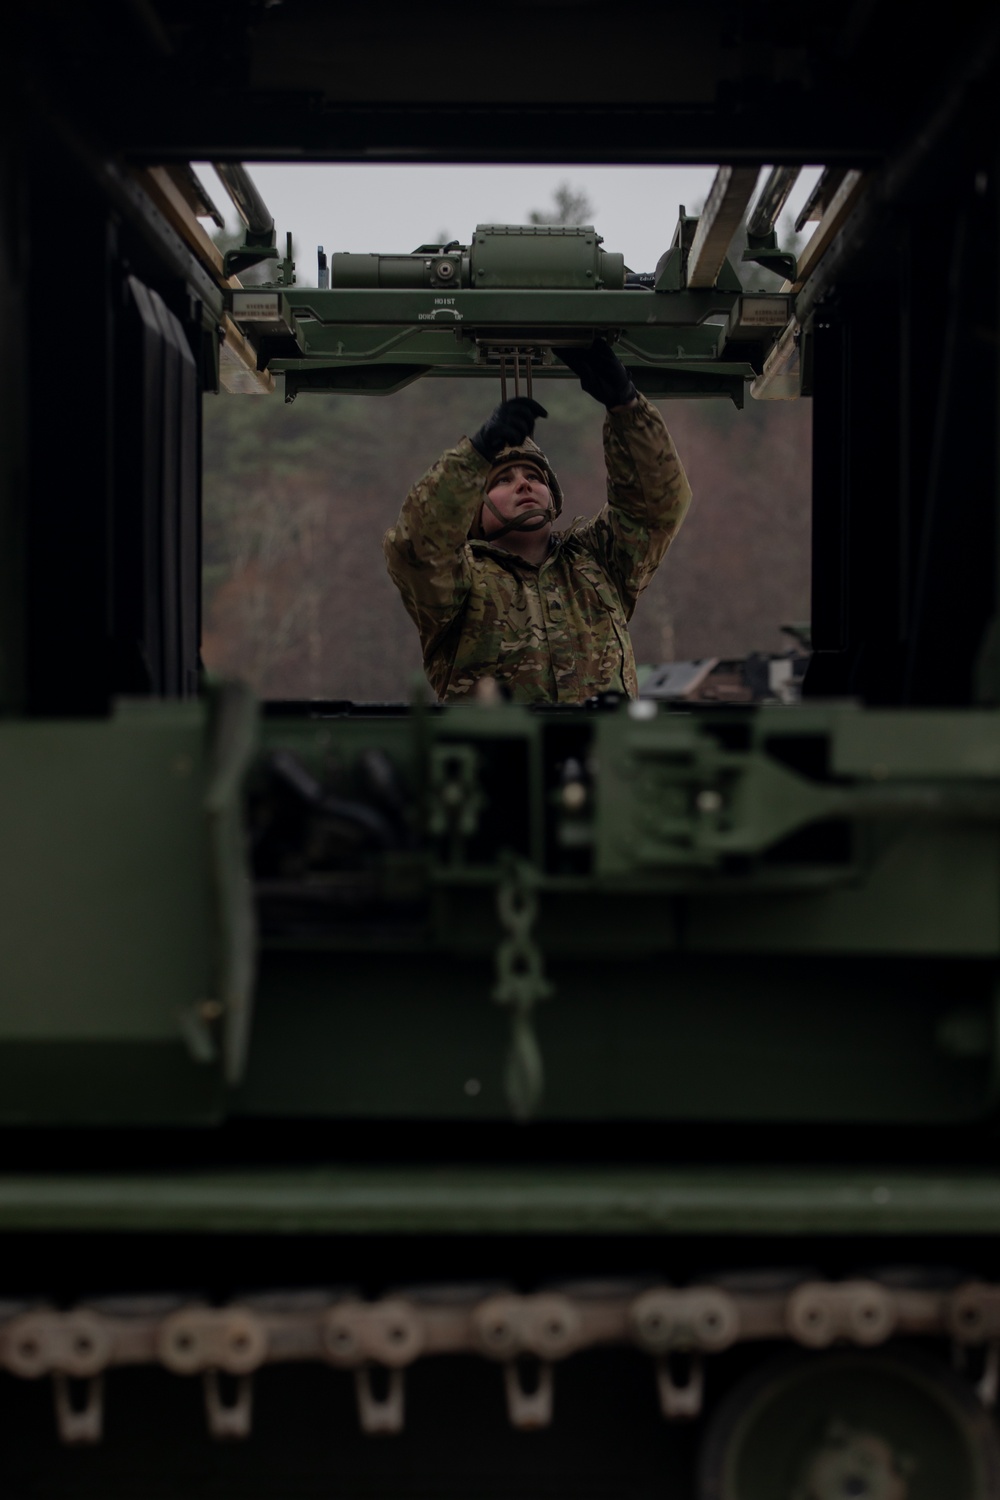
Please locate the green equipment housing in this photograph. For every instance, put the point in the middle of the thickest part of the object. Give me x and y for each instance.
(496, 307)
(535, 256)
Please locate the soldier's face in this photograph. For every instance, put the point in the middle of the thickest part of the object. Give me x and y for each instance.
(515, 490)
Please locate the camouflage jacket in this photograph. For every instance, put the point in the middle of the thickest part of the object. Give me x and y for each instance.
(556, 633)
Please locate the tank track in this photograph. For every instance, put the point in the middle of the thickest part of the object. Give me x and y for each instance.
(527, 1335)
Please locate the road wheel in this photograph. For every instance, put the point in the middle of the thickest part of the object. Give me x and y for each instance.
(851, 1426)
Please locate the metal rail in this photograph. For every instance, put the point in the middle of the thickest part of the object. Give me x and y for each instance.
(725, 206)
(773, 196)
(245, 196)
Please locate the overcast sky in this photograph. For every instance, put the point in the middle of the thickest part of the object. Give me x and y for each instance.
(395, 208)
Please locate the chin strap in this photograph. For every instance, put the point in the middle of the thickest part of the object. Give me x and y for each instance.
(532, 520)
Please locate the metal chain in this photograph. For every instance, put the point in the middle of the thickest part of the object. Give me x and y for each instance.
(520, 985)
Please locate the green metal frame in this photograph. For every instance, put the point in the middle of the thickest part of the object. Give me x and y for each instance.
(512, 1200)
(375, 341)
(689, 881)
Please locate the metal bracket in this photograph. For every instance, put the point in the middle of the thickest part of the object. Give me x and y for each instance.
(228, 1419)
(680, 1399)
(455, 796)
(762, 250)
(79, 1422)
(528, 1410)
(380, 1414)
(988, 1384)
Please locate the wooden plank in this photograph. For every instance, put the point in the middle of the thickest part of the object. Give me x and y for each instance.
(725, 206)
(238, 372)
(815, 206)
(773, 197)
(192, 189)
(840, 207)
(172, 203)
(781, 377)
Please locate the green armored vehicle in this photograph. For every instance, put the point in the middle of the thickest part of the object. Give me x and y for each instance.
(407, 1100)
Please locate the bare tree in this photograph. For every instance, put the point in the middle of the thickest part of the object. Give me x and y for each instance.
(569, 206)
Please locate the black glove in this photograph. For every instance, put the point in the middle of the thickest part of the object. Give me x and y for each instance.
(601, 373)
(510, 424)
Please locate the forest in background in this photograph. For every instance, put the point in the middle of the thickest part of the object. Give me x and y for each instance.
(297, 498)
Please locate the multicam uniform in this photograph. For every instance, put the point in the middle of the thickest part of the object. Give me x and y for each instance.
(558, 632)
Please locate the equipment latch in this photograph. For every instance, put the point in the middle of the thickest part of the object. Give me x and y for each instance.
(228, 1418)
(680, 1382)
(528, 1409)
(380, 1413)
(79, 1421)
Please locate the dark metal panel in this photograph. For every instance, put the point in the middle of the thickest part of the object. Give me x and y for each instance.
(830, 440)
(168, 418)
(189, 519)
(954, 575)
(68, 377)
(158, 500)
(140, 565)
(15, 319)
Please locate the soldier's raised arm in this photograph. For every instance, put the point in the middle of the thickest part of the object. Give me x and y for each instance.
(427, 550)
(648, 491)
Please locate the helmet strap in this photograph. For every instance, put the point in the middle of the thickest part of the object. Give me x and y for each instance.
(531, 520)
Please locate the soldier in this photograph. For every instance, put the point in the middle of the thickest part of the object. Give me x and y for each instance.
(495, 592)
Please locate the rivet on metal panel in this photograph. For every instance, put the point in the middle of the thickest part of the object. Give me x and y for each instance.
(818, 1313)
(713, 1318)
(496, 1325)
(230, 1339)
(551, 1326)
(76, 1343)
(395, 1333)
(84, 1344)
(974, 1313)
(27, 1346)
(654, 1319)
(342, 1335)
(811, 1317)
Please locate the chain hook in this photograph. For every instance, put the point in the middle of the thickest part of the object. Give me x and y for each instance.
(521, 984)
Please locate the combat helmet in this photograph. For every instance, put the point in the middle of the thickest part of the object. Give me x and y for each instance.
(529, 453)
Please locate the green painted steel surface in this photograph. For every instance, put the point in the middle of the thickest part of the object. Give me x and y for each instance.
(377, 339)
(761, 967)
(485, 1199)
(113, 909)
(687, 1038)
(99, 849)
